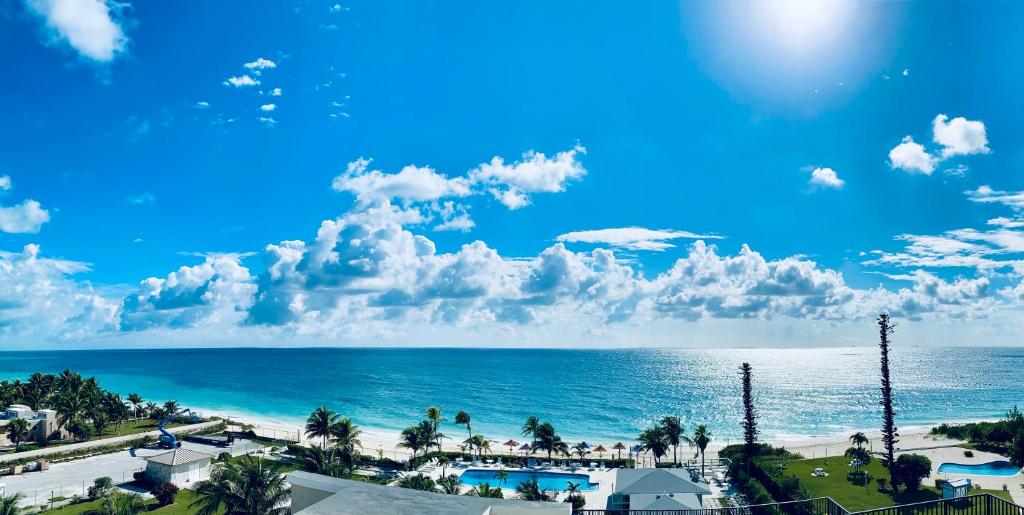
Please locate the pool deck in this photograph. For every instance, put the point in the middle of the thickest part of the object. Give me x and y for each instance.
(940, 455)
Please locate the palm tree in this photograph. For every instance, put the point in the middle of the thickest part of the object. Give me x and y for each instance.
(435, 418)
(655, 440)
(249, 486)
(443, 461)
(17, 431)
(151, 409)
(859, 456)
(858, 439)
(546, 439)
(530, 429)
(450, 484)
(701, 438)
(319, 460)
(38, 389)
(418, 482)
(531, 491)
(485, 490)
(320, 423)
(580, 450)
(136, 401)
(476, 441)
(676, 434)
(412, 439)
(9, 504)
(502, 476)
(123, 503)
(171, 407)
(346, 437)
(462, 419)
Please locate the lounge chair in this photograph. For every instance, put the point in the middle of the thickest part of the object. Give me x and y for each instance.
(531, 463)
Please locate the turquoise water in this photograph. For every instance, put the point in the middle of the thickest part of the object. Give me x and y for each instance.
(993, 468)
(555, 481)
(600, 395)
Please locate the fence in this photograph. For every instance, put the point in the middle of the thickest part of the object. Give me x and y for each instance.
(981, 504)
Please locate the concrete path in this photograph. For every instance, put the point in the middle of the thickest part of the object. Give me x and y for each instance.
(46, 451)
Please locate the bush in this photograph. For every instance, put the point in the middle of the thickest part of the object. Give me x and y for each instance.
(139, 476)
(165, 493)
(969, 453)
(224, 456)
(100, 487)
(577, 500)
(912, 469)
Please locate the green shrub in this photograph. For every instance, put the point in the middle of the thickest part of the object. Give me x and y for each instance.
(912, 469)
(165, 493)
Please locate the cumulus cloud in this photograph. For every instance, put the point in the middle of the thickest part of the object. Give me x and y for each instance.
(202, 104)
(276, 92)
(26, 217)
(260, 64)
(959, 136)
(912, 157)
(90, 27)
(268, 107)
(826, 178)
(512, 183)
(632, 238)
(5, 183)
(410, 184)
(241, 81)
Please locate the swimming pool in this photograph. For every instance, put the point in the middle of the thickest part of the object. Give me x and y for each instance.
(547, 480)
(992, 468)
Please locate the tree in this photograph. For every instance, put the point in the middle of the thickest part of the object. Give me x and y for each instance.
(443, 462)
(858, 439)
(249, 486)
(859, 455)
(412, 439)
(450, 484)
(123, 503)
(320, 423)
(462, 419)
(150, 410)
(485, 490)
(546, 439)
(435, 418)
(502, 476)
(38, 390)
(18, 431)
(165, 493)
(10, 504)
(912, 469)
(81, 430)
(418, 482)
(580, 450)
(478, 442)
(574, 497)
(136, 401)
(531, 491)
(889, 435)
(1017, 449)
(346, 438)
(676, 434)
(322, 461)
(530, 429)
(101, 486)
(749, 413)
(701, 438)
(655, 440)
(171, 407)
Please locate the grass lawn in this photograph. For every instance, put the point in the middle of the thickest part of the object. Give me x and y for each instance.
(857, 498)
(180, 506)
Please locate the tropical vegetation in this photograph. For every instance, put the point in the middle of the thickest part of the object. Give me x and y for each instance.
(249, 486)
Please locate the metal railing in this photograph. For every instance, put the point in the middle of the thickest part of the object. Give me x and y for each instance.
(980, 504)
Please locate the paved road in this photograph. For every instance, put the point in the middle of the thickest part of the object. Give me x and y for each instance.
(40, 453)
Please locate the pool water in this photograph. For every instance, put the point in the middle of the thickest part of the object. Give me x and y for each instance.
(993, 468)
(555, 481)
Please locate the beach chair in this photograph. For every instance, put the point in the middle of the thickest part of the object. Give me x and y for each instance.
(531, 463)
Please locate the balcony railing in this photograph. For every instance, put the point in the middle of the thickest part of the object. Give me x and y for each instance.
(981, 504)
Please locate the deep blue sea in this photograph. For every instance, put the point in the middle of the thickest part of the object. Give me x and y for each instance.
(606, 394)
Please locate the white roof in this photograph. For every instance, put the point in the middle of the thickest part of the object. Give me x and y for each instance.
(956, 483)
(664, 502)
(179, 456)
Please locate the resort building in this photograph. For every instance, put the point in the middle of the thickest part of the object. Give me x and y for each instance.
(314, 494)
(42, 424)
(181, 466)
(656, 489)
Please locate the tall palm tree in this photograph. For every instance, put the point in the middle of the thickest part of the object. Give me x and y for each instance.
(477, 442)
(250, 486)
(530, 429)
(435, 418)
(151, 409)
(676, 434)
(17, 431)
(9, 504)
(38, 389)
(346, 437)
(655, 440)
(462, 419)
(485, 490)
(171, 407)
(123, 503)
(136, 401)
(858, 439)
(580, 450)
(412, 439)
(546, 439)
(701, 438)
(320, 422)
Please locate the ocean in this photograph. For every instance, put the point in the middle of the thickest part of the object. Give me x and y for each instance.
(595, 394)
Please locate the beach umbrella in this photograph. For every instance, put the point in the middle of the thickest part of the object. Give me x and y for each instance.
(619, 447)
(585, 445)
(511, 444)
(600, 450)
(525, 447)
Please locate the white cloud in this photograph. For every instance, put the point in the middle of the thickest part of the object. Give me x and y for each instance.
(912, 157)
(959, 136)
(411, 183)
(141, 199)
(268, 107)
(454, 217)
(269, 121)
(261, 64)
(26, 217)
(826, 177)
(276, 92)
(633, 238)
(906, 72)
(88, 26)
(512, 183)
(241, 81)
(5, 182)
(202, 104)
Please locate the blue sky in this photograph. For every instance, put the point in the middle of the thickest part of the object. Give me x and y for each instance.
(766, 173)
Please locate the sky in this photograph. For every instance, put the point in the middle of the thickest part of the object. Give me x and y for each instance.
(578, 174)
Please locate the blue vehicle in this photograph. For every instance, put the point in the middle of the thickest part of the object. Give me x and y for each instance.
(167, 439)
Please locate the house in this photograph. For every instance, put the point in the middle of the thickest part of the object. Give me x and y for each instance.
(43, 424)
(181, 466)
(956, 488)
(314, 494)
(656, 489)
